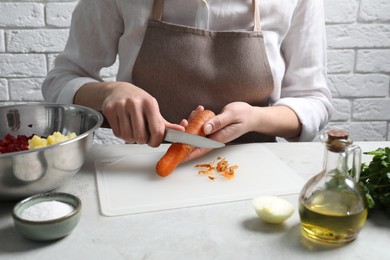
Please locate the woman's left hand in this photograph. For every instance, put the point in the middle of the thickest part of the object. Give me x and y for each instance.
(234, 120)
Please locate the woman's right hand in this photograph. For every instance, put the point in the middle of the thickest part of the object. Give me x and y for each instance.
(132, 113)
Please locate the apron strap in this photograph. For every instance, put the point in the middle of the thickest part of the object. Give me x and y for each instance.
(158, 11)
(256, 16)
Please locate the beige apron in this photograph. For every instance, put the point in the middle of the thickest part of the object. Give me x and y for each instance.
(183, 67)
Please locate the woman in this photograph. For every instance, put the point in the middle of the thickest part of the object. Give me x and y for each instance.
(259, 65)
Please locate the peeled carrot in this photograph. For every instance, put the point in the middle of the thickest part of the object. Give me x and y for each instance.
(176, 153)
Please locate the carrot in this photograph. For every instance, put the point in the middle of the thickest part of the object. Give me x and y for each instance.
(177, 152)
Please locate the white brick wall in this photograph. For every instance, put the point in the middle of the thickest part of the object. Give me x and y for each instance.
(358, 35)
(33, 32)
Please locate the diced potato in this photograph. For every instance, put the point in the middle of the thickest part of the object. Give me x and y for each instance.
(55, 138)
(36, 142)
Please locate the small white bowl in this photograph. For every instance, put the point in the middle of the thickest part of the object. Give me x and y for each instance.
(51, 229)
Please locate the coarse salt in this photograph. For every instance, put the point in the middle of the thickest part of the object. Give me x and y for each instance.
(47, 210)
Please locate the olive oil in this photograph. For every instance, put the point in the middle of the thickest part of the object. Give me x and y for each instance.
(332, 217)
(332, 207)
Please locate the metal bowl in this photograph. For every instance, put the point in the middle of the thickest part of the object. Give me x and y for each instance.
(26, 173)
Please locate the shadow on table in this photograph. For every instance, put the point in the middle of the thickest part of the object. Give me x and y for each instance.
(13, 242)
(301, 243)
(254, 224)
(292, 238)
(379, 219)
(10, 239)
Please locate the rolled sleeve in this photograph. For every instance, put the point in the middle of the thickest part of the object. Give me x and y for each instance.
(68, 92)
(96, 28)
(304, 85)
(312, 114)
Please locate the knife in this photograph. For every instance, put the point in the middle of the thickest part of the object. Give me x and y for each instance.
(176, 136)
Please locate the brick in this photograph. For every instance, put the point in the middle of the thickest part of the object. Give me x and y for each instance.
(388, 133)
(51, 59)
(44, 40)
(342, 110)
(363, 131)
(358, 55)
(340, 11)
(373, 61)
(26, 89)
(22, 15)
(3, 90)
(59, 14)
(341, 61)
(2, 43)
(371, 109)
(359, 85)
(9, 103)
(22, 65)
(374, 11)
(358, 36)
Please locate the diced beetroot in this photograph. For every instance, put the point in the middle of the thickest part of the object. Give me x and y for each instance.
(10, 138)
(22, 139)
(11, 144)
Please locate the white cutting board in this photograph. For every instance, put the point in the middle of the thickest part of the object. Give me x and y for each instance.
(130, 185)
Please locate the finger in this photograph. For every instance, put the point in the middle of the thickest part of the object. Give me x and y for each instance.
(199, 108)
(156, 131)
(125, 127)
(157, 134)
(184, 123)
(216, 123)
(111, 116)
(180, 127)
(155, 124)
(195, 112)
(114, 124)
(139, 131)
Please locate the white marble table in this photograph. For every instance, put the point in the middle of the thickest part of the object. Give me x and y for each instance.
(220, 231)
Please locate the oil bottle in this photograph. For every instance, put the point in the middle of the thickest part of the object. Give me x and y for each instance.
(332, 207)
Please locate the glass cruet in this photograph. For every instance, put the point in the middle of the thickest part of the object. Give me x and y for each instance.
(332, 207)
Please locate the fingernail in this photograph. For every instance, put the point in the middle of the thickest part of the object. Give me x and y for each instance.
(208, 128)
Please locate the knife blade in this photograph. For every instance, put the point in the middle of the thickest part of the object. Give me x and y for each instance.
(176, 136)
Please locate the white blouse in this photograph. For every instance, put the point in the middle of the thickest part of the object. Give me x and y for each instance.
(294, 35)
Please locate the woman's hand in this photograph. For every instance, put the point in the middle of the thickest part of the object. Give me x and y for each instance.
(132, 113)
(239, 118)
(234, 120)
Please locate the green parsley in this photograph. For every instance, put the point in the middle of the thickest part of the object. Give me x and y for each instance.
(375, 180)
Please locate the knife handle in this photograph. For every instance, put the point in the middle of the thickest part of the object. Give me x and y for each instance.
(105, 123)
